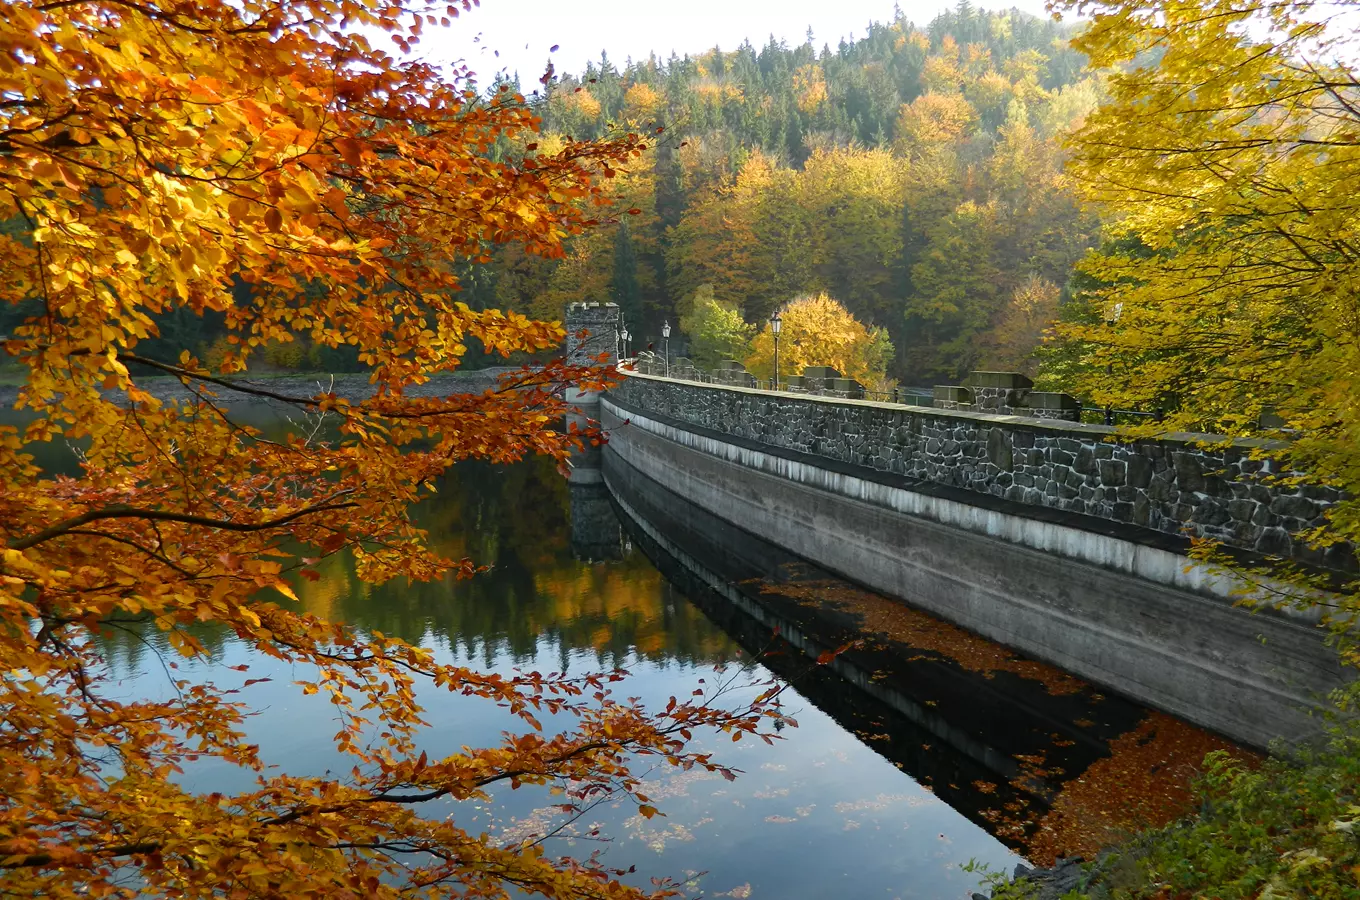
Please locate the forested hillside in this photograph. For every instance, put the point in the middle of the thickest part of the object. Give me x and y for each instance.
(914, 175)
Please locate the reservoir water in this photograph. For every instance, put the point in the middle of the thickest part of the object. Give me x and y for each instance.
(917, 750)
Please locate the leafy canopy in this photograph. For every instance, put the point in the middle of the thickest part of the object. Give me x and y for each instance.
(263, 161)
(1228, 168)
(716, 329)
(819, 331)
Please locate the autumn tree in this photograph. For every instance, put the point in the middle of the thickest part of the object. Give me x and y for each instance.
(155, 158)
(853, 200)
(932, 121)
(819, 331)
(716, 329)
(957, 288)
(1029, 313)
(1227, 167)
(748, 239)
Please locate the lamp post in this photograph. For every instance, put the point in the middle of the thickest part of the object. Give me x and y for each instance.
(618, 343)
(775, 324)
(666, 346)
(626, 338)
(1111, 318)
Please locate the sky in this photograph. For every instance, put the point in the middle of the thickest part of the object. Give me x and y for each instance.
(524, 30)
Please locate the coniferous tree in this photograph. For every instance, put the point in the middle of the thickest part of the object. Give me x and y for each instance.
(623, 287)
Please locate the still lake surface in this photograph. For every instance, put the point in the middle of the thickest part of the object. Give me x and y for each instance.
(812, 815)
(918, 752)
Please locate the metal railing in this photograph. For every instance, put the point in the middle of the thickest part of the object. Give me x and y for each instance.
(1102, 415)
(1089, 415)
(899, 396)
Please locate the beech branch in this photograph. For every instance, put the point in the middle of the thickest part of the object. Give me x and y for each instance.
(156, 515)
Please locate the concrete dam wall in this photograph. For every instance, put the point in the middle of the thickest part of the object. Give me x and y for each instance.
(933, 507)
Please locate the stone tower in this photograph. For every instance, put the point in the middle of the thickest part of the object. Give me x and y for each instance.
(592, 330)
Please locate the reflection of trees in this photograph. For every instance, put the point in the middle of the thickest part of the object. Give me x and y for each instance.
(514, 519)
(133, 645)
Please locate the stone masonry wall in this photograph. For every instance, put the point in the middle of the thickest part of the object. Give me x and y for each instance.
(1167, 485)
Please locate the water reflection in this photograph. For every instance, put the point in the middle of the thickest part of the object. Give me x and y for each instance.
(1048, 763)
(515, 519)
(567, 590)
(536, 592)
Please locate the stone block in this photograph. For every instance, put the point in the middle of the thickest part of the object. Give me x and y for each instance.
(1139, 471)
(845, 387)
(1053, 405)
(1112, 472)
(1275, 542)
(1061, 457)
(1210, 512)
(1340, 556)
(1159, 488)
(1085, 462)
(952, 394)
(1294, 507)
(1007, 380)
(999, 448)
(1189, 472)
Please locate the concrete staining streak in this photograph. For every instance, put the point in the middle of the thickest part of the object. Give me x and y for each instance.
(1159, 566)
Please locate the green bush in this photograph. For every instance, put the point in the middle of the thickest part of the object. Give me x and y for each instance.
(1288, 829)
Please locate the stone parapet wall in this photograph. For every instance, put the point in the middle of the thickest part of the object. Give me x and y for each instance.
(1168, 485)
(1006, 394)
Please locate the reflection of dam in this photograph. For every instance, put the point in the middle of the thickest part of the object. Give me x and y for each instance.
(996, 736)
(595, 531)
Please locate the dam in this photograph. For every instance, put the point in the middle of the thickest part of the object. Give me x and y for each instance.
(1055, 538)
